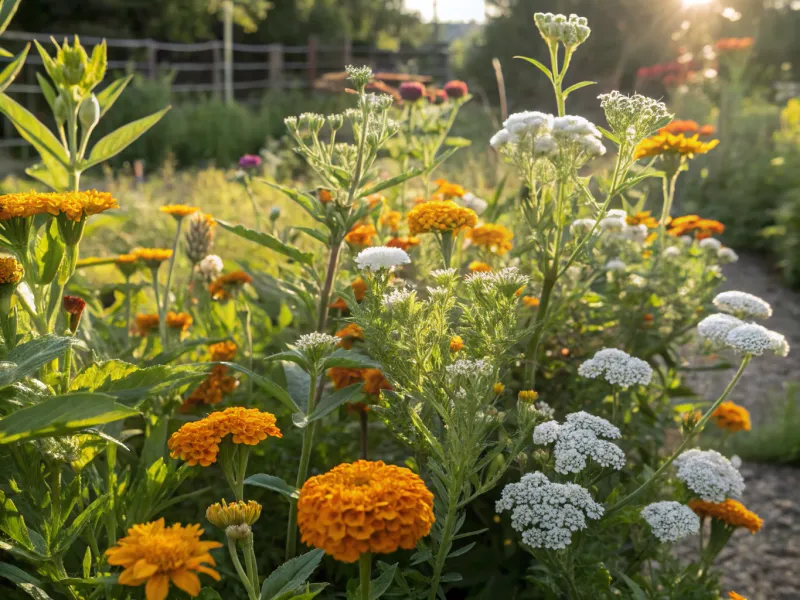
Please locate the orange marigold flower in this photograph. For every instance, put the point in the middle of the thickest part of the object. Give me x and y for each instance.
(732, 417)
(179, 210)
(494, 238)
(364, 507)
(154, 555)
(225, 285)
(11, 270)
(348, 333)
(404, 243)
(678, 126)
(456, 343)
(361, 235)
(75, 206)
(706, 130)
(152, 257)
(324, 195)
(440, 216)
(222, 351)
(213, 389)
(530, 301)
(678, 144)
(374, 382)
(374, 199)
(344, 376)
(127, 264)
(735, 596)
(448, 190)
(198, 441)
(648, 318)
(643, 218)
(730, 512)
(733, 44)
(528, 396)
(180, 321)
(391, 220)
(359, 292)
(145, 323)
(498, 388)
(477, 266)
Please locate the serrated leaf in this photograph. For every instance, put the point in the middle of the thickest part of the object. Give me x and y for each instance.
(269, 241)
(269, 386)
(538, 65)
(33, 131)
(111, 92)
(26, 358)
(291, 575)
(116, 141)
(276, 484)
(333, 401)
(8, 74)
(349, 360)
(61, 415)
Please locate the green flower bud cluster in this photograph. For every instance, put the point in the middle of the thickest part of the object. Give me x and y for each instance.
(73, 70)
(360, 76)
(633, 117)
(571, 32)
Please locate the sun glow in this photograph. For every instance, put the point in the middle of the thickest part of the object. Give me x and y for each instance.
(692, 3)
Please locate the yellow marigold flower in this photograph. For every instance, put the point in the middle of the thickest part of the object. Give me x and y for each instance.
(678, 144)
(224, 515)
(224, 285)
(404, 243)
(361, 235)
(732, 417)
(198, 441)
(154, 555)
(73, 205)
(152, 257)
(477, 266)
(730, 512)
(180, 321)
(494, 238)
(530, 301)
(498, 388)
(11, 270)
(643, 218)
(364, 507)
(223, 351)
(348, 333)
(391, 220)
(456, 343)
(528, 396)
(77, 205)
(735, 596)
(440, 216)
(126, 259)
(449, 190)
(179, 210)
(145, 323)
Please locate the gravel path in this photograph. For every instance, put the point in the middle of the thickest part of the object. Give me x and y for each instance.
(764, 566)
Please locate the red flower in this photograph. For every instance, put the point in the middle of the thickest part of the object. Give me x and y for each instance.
(456, 89)
(412, 90)
(74, 307)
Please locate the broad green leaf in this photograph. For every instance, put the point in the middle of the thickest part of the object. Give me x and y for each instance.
(636, 590)
(298, 384)
(294, 356)
(12, 523)
(33, 131)
(306, 201)
(396, 180)
(49, 251)
(317, 235)
(269, 241)
(291, 575)
(116, 141)
(7, 10)
(47, 90)
(67, 536)
(61, 415)
(34, 591)
(51, 173)
(169, 356)
(269, 386)
(111, 92)
(276, 484)
(8, 74)
(609, 135)
(26, 358)
(538, 65)
(333, 401)
(577, 86)
(349, 360)
(17, 575)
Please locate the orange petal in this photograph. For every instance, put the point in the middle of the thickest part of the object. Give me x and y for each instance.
(143, 569)
(157, 587)
(188, 581)
(210, 572)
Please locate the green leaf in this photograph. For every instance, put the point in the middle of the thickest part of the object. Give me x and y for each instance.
(12, 523)
(609, 135)
(334, 401)
(349, 360)
(47, 90)
(67, 536)
(116, 141)
(379, 585)
(269, 241)
(51, 173)
(17, 575)
(636, 590)
(396, 180)
(48, 254)
(457, 142)
(61, 415)
(306, 201)
(34, 591)
(317, 235)
(291, 575)
(577, 86)
(111, 92)
(269, 386)
(48, 62)
(26, 358)
(12, 70)
(7, 10)
(538, 65)
(276, 484)
(208, 593)
(34, 131)
(168, 356)
(292, 356)
(309, 591)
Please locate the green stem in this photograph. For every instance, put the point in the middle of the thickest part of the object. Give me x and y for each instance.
(127, 310)
(444, 543)
(446, 245)
(325, 293)
(698, 428)
(250, 560)
(55, 497)
(162, 320)
(247, 332)
(365, 573)
(253, 203)
(241, 474)
(171, 268)
(66, 370)
(251, 593)
(111, 490)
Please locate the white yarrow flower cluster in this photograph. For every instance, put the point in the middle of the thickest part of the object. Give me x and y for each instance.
(570, 31)
(670, 520)
(745, 338)
(524, 131)
(395, 297)
(210, 267)
(671, 252)
(617, 368)
(709, 475)
(314, 341)
(743, 305)
(578, 135)
(578, 439)
(727, 256)
(471, 201)
(710, 244)
(381, 257)
(469, 368)
(751, 338)
(715, 328)
(547, 513)
(633, 117)
(581, 226)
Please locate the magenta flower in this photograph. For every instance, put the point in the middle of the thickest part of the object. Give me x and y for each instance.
(250, 161)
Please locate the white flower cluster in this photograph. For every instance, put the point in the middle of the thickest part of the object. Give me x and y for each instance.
(712, 244)
(578, 135)
(210, 267)
(538, 134)
(317, 342)
(471, 201)
(581, 226)
(743, 305)
(615, 264)
(469, 368)
(715, 328)
(633, 117)
(570, 31)
(671, 252)
(670, 520)
(579, 439)
(544, 410)
(547, 513)
(507, 280)
(381, 257)
(727, 255)
(524, 127)
(397, 296)
(751, 338)
(617, 368)
(709, 475)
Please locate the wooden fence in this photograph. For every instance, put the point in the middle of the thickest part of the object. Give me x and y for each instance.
(198, 68)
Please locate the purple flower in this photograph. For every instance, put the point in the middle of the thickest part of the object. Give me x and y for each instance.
(411, 90)
(250, 161)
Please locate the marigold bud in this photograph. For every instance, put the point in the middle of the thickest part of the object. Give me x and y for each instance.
(89, 112)
(224, 515)
(199, 237)
(498, 388)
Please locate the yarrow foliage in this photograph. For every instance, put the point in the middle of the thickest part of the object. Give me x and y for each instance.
(671, 521)
(709, 475)
(617, 368)
(579, 439)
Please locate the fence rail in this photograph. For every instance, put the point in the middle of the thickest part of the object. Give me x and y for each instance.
(197, 68)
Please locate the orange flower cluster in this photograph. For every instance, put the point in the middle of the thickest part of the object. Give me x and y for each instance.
(477, 266)
(440, 216)
(735, 596)
(449, 190)
(198, 441)
(702, 228)
(145, 323)
(733, 44)
(530, 301)
(677, 127)
(11, 270)
(180, 321)
(361, 234)
(730, 512)
(404, 243)
(348, 334)
(664, 143)
(214, 387)
(731, 416)
(494, 238)
(154, 554)
(324, 195)
(152, 256)
(642, 218)
(456, 343)
(359, 292)
(73, 205)
(224, 285)
(364, 507)
(391, 220)
(373, 379)
(179, 210)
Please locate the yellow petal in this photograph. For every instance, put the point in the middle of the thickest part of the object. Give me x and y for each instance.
(157, 587)
(187, 581)
(210, 572)
(143, 569)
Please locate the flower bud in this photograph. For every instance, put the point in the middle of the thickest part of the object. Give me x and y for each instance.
(199, 237)
(438, 97)
(239, 532)
(73, 60)
(74, 307)
(60, 110)
(236, 514)
(274, 213)
(335, 122)
(89, 112)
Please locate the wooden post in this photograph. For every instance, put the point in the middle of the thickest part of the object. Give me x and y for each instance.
(152, 63)
(227, 12)
(216, 80)
(276, 66)
(347, 52)
(312, 61)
